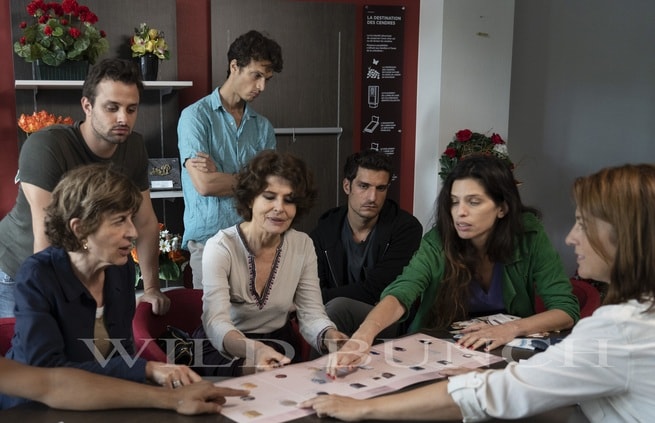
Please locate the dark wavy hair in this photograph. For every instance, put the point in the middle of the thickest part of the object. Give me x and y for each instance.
(367, 159)
(461, 257)
(121, 70)
(251, 181)
(89, 193)
(624, 197)
(253, 45)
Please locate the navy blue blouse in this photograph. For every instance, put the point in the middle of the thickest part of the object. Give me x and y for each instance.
(55, 317)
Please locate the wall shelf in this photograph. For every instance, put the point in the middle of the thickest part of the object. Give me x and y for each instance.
(166, 194)
(32, 84)
(164, 88)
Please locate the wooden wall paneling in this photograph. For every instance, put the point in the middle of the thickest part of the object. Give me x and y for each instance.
(315, 88)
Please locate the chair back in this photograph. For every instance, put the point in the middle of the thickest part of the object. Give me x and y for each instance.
(185, 313)
(6, 333)
(588, 297)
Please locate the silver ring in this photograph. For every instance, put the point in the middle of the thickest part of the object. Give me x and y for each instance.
(176, 384)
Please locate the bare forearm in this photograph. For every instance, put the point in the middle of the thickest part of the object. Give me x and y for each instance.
(214, 184)
(147, 245)
(385, 313)
(547, 321)
(80, 390)
(237, 345)
(431, 402)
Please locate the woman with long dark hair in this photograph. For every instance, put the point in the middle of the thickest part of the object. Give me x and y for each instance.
(602, 365)
(488, 253)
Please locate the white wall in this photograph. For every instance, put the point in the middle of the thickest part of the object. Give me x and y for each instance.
(428, 109)
(464, 73)
(582, 97)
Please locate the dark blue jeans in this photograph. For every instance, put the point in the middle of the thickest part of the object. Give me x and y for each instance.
(7, 288)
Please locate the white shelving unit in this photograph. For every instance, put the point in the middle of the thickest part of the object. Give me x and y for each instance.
(166, 194)
(31, 84)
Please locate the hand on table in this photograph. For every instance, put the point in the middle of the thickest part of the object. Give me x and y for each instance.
(266, 358)
(489, 336)
(171, 375)
(353, 352)
(340, 407)
(203, 397)
(333, 340)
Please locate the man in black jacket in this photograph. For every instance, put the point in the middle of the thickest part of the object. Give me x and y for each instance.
(363, 245)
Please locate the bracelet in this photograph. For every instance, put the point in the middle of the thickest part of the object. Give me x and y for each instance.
(322, 347)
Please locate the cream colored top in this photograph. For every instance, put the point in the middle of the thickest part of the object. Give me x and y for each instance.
(230, 301)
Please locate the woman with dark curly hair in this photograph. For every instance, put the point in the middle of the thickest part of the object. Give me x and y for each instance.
(256, 272)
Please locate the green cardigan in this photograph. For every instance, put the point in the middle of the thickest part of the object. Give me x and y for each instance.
(535, 266)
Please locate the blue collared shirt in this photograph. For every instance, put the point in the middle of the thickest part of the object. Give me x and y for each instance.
(208, 127)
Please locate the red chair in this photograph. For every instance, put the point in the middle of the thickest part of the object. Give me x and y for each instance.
(185, 313)
(305, 348)
(588, 297)
(6, 333)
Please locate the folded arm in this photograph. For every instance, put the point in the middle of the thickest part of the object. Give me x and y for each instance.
(205, 177)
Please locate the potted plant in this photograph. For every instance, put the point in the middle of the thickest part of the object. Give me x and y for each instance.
(467, 142)
(60, 34)
(148, 47)
(39, 120)
(171, 258)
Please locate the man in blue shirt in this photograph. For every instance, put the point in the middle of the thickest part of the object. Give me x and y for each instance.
(219, 134)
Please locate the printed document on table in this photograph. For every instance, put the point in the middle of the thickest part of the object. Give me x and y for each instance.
(275, 394)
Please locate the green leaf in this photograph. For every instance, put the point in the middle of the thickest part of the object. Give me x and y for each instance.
(168, 270)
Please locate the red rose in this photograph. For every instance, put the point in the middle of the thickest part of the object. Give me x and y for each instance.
(70, 7)
(22, 41)
(23, 25)
(43, 19)
(63, 21)
(89, 17)
(463, 135)
(34, 7)
(450, 152)
(56, 8)
(47, 31)
(496, 139)
(74, 32)
(103, 34)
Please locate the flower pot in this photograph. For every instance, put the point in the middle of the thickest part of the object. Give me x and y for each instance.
(70, 70)
(149, 66)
